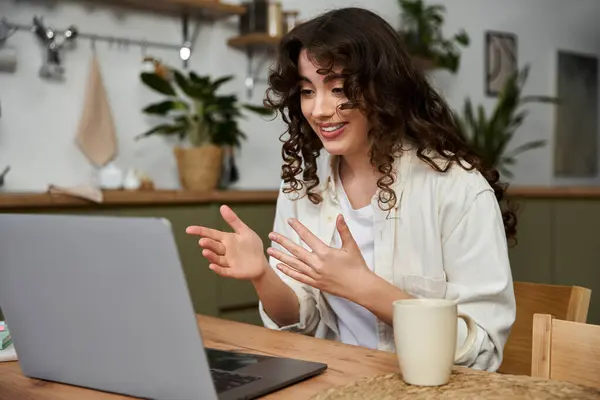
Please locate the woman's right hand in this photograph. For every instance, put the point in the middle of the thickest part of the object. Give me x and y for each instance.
(238, 255)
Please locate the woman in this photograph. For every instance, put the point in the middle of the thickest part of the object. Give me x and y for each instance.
(381, 198)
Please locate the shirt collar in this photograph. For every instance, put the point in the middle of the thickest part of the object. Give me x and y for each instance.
(402, 168)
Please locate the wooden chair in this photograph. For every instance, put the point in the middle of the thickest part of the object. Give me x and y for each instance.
(565, 350)
(568, 303)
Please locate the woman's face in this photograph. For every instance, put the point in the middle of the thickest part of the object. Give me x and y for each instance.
(342, 132)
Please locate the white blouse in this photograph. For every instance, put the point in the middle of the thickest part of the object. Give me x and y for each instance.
(443, 239)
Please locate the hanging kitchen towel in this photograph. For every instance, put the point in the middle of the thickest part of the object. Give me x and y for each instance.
(96, 132)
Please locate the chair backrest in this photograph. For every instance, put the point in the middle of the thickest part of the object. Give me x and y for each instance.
(568, 303)
(566, 350)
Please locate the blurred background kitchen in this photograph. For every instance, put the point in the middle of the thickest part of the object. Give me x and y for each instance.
(153, 108)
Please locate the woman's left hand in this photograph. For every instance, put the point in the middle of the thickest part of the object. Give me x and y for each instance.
(340, 272)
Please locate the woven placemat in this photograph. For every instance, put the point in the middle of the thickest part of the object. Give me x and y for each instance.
(471, 386)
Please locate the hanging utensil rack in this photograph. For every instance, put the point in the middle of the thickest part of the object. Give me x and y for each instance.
(94, 37)
(187, 40)
(197, 10)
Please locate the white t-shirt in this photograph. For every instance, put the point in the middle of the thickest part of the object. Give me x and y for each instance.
(357, 325)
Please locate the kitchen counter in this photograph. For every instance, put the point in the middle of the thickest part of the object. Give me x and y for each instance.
(135, 198)
(173, 197)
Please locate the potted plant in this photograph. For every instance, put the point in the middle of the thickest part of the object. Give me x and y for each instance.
(422, 32)
(196, 113)
(490, 136)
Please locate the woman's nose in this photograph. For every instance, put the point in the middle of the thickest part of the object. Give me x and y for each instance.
(324, 106)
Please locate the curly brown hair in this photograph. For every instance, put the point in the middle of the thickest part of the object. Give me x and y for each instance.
(381, 81)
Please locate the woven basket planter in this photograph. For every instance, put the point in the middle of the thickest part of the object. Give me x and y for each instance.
(199, 167)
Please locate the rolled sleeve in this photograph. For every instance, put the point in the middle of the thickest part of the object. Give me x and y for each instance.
(480, 280)
(309, 314)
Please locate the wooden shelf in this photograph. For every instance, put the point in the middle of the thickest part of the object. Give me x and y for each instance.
(113, 198)
(212, 9)
(254, 40)
(173, 197)
(554, 192)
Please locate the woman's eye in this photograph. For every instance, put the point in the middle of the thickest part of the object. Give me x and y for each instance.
(339, 91)
(305, 92)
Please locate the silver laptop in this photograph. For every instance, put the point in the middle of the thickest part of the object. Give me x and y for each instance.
(102, 303)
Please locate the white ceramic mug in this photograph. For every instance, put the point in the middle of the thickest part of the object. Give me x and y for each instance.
(425, 332)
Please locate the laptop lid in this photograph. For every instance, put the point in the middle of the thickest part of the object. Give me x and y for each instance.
(101, 302)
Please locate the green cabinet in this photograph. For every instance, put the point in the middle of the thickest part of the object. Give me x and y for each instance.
(558, 243)
(531, 257)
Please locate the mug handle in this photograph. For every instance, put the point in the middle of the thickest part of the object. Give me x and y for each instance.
(470, 340)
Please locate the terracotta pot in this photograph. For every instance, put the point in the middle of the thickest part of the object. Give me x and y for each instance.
(199, 167)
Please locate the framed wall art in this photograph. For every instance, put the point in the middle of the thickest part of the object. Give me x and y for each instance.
(501, 60)
(576, 132)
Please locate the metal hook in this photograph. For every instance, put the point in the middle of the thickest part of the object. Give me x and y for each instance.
(9, 29)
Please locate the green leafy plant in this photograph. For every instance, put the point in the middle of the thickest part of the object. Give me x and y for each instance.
(422, 31)
(195, 110)
(490, 136)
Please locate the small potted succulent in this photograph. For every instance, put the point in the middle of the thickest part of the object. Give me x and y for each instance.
(198, 114)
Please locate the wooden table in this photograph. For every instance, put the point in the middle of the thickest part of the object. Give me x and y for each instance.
(346, 363)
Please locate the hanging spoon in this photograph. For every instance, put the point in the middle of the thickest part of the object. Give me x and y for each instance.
(3, 174)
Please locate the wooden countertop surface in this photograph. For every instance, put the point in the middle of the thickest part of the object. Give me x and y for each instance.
(135, 198)
(170, 197)
(554, 192)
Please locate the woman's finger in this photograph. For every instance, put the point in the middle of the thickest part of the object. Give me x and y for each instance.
(205, 232)
(222, 271)
(292, 262)
(213, 245)
(300, 277)
(307, 236)
(298, 251)
(233, 220)
(215, 258)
